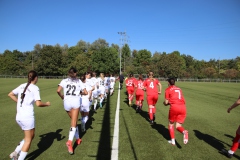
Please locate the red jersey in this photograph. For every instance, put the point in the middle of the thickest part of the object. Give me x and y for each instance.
(130, 83)
(151, 86)
(139, 86)
(174, 95)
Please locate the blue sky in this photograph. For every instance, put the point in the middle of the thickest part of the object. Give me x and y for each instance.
(204, 29)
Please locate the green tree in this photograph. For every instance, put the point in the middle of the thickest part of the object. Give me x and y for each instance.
(50, 61)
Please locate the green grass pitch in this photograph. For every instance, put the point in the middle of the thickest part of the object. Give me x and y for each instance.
(210, 127)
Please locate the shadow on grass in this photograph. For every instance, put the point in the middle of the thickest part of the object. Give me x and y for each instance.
(159, 127)
(45, 142)
(104, 147)
(212, 141)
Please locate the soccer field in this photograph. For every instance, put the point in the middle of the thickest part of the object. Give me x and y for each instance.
(210, 127)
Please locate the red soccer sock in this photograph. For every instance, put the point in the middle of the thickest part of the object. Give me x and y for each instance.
(150, 112)
(154, 110)
(180, 129)
(235, 143)
(171, 131)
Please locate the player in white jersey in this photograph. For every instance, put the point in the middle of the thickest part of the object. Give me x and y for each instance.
(72, 88)
(101, 81)
(26, 95)
(107, 85)
(86, 100)
(96, 92)
(112, 84)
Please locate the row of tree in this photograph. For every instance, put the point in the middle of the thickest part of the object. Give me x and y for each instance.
(99, 56)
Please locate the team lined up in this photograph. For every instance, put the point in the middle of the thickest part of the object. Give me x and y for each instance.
(77, 95)
(173, 97)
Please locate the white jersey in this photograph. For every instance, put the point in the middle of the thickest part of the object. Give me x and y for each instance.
(32, 94)
(101, 85)
(112, 82)
(71, 88)
(95, 81)
(88, 88)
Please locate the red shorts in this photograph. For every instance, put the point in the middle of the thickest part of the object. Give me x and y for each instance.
(139, 97)
(130, 90)
(152, 99)
(177, 114)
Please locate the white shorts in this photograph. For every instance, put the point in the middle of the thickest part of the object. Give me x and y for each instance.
(102, 90)
(85, 103)
(71, 104)
(26, 124)
(112, 85)
(95, 93)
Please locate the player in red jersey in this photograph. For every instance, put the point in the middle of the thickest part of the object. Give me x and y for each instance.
(151, 86)
(236, 140)
(130, 88)
(139, 93)
(177, 112)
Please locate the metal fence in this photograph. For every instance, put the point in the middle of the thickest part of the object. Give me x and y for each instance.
(159, 78)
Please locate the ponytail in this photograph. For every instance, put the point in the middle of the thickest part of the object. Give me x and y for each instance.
(31, 76)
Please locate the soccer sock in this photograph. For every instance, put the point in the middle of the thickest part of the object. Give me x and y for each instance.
(140, 105)
(19, 146)
(235, 143)
(77, 133)
(171, 131)
(154, 110)
(85, 119)
(150, 113)
(95, 104)
(71, 133)
(22, 155)
(180, 129)
(101, 100)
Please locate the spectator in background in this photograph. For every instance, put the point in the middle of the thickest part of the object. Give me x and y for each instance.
(121, 79)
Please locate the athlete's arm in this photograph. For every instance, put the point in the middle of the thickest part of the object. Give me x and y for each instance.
(160, 88)
(59, 92)
(12, 96)
(166, 102)
(235, 104)
(39, 103)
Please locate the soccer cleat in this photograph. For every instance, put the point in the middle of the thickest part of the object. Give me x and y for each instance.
(172, 142)
(151, 122)
(83, 126)
(13, 156)
(78, 141)
(137, 109)
(226, 153)
(185, 137)
(69, 145)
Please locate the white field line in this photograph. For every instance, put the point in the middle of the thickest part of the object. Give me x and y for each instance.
(114, 155)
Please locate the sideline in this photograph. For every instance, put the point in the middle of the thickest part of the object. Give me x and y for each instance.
(114, 155)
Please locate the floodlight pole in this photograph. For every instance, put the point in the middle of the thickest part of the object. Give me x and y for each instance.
(120, 52)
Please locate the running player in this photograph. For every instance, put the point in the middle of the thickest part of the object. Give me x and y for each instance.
(236, 140)
(139, 93)
(72, 87)
(101, 82)
(86, 99)
(151, 86)
(130, 88)
(112, 84)
(25, 95)
(177, 112)
(96, 92)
